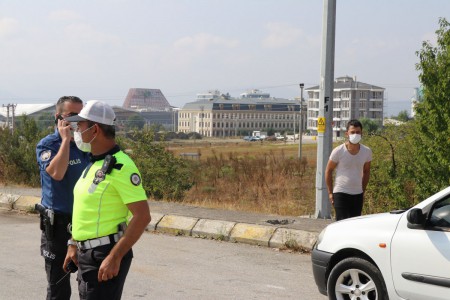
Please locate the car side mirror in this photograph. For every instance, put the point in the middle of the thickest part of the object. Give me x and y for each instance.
(416, 218)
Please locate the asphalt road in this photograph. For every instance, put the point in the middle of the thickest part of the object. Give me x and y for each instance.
(165, 267)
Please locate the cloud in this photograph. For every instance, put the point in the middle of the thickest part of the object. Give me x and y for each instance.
(63, 15)
(8, 26)
(281, 35)
(203, 41)
(85, 33)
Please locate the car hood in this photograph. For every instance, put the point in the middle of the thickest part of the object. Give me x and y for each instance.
(365, 232)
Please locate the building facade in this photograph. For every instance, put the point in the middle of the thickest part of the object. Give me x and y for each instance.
(351, 100)
(219, 115)
(146, 100)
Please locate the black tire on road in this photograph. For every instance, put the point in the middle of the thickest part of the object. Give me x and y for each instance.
(358, 277)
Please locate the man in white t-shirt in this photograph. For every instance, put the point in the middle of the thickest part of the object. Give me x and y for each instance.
(351, 161)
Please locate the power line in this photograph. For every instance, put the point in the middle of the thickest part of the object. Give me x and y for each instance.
(173, 94)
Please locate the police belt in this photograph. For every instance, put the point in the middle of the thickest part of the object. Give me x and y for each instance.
(101, 241)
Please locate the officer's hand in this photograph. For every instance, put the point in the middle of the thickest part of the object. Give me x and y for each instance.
(64, 130)
(70, 256)
(330, 197)
(109, 268)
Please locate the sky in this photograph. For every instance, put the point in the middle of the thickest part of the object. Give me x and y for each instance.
(99, 49)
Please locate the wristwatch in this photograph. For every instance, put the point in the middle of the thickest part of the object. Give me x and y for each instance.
(71, 242)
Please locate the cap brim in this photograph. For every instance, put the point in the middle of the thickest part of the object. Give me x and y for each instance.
(76, 118)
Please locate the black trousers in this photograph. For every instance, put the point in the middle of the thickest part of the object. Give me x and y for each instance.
(54, 251)
(89, 263)
(347, 206)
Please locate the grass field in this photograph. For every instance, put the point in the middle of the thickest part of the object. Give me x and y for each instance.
(251, 176)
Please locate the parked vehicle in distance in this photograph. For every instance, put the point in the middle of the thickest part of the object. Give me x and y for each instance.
(279, 137)
(398, 255)
(247, 138)
(255, 139)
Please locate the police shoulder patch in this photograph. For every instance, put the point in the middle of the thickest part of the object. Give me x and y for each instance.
(135, 179)
(45, 155)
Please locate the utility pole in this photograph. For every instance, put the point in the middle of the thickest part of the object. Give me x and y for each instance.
(324, 120)
(300, 126)
(10, 122)
(295, 121)
(7, 114)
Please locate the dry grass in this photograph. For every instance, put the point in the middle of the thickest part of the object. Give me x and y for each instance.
(252, 176)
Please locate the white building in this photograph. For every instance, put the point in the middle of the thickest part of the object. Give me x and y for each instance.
(416, 98)
(351, 100)
(218, 115)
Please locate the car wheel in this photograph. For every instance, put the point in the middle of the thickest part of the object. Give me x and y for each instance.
(356, 279)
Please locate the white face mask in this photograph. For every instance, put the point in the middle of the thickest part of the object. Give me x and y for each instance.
(354, 138)
(85, 147)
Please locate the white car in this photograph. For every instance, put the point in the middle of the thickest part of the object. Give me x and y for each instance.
(397, 255)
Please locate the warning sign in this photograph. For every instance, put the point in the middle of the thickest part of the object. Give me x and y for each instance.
(321, 125)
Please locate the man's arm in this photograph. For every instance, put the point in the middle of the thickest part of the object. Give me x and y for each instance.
(331, 165)
(141, 217)
(59, 164)
(366, 175)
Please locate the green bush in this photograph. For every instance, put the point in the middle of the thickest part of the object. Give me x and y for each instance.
(164, 176)
(18, 153)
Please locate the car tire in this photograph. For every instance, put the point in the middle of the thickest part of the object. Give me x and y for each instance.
(370, 284)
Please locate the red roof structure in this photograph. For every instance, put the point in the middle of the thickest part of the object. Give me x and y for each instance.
(146, 99)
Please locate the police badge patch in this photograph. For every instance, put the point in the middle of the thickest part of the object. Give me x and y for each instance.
(46, 155)
(135, 179)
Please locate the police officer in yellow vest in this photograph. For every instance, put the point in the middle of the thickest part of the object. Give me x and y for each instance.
(108, 194)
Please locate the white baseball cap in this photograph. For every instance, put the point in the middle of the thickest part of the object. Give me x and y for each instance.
(95, 111)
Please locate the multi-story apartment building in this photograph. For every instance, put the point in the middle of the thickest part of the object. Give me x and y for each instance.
(351, 100)
(218, 115)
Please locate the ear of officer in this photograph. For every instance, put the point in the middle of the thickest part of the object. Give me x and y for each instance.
(101, 143)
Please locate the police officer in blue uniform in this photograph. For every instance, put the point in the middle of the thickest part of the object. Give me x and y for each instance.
(61, 164)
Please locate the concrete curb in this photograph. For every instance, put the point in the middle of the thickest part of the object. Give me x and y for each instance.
(176, 225)
(253, 234)
(156, 218)
(26, 203)
(293, 238)
(8, 200)
(213, 229)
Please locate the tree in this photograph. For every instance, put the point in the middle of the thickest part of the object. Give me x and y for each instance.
(369, 126)
(432, 143)
(270, 131)
(392, 182)
(403, 116)
(17, 152)
(46, 121)
(135, 122)
(164, 176)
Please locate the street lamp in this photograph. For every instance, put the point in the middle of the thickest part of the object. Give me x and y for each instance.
(300, 126)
